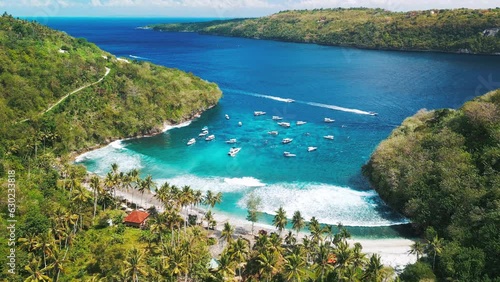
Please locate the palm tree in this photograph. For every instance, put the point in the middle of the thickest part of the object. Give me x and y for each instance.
(294, 269)
(36, 273)
(57, 263)
(226, 267)
(80, 198)
(252, 216)
(417, 249)
(315, 229)
(185, 199)
(227, 232)
(267, 262)
(209, 217)
(238, 251)
(322, 264)
(373, 271)
(297, 222)
(146, 185)
(434, 246)
(212, 199)
(345, 257)
(280, 220)
(95, 184)
(134, 264)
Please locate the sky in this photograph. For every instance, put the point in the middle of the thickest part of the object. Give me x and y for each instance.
(213, 8)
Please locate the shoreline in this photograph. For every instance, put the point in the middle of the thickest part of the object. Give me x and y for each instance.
(166, 126)
(393, 251)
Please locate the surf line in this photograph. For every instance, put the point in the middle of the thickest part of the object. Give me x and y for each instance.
(314, 104)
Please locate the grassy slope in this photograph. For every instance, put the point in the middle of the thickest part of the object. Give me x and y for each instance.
(438, 30)
(135, 98)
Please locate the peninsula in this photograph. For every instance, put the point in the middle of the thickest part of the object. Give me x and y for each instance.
(455, 31)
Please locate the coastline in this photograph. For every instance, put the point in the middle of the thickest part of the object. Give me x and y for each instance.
(394, 252)
(166, 126)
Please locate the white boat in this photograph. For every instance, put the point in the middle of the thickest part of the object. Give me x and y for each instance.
(289, 100)
(372, 113)
(210, 138)
(204, 133)
(284, 124)
(227, 116)
(259, 113)
(231, 141)
(286, 140)
(274, 132)
(288, 154)
(277, 118)
(205, 128)
(329, 137)
(233, 151)
(191, 141)
(310, 149)
(329, 120)
(240, 123)
(301, 122)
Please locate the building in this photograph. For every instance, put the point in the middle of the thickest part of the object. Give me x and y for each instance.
(136, 219)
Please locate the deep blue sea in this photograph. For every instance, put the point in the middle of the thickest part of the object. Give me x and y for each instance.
(255, 75)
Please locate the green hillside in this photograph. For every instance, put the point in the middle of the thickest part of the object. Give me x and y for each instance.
(39, 66)
(442, 170)
(461, 30)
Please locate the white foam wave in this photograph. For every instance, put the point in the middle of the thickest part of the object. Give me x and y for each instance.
(329, 204)
(244, 181)
(215, 184)
(113, 153)
(337, 108)
(138, 57)
(169, 127)
(117, 144)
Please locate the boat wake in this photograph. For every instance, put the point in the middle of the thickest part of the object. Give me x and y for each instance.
(138, 57)
(314, 104)
(337, 108)
(275, 98)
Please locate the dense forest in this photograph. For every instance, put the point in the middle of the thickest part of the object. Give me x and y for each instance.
(442, 170)
(461, 30)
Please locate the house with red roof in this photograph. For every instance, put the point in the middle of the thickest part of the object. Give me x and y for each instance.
(136, 219)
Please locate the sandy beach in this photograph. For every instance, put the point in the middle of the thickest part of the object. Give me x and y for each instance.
(393, 252)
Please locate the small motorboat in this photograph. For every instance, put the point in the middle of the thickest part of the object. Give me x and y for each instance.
(274, 132)
(233, 151)
(284, 124)
(191, 141)
(286, 140)
(329, 137)
(310, 149)
(300, 122)
(277, 118)
(240, 123)
(373, 113)
(288, 154)
(227, 116)
(289, 100)
(231, 141)
(205, 128)
(204, 133)
(259, 113)
(329, 120)
(210, 138)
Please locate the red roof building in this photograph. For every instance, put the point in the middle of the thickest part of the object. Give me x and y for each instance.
(136, 219)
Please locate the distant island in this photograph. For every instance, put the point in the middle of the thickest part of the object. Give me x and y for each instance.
(455, 31)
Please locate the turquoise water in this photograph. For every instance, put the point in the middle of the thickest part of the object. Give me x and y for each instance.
(339, 83)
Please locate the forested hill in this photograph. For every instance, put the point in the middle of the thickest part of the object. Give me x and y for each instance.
(461, 30)
(39, 66)
(442, 170)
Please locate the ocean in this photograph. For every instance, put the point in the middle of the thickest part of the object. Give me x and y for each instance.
(343, 84)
